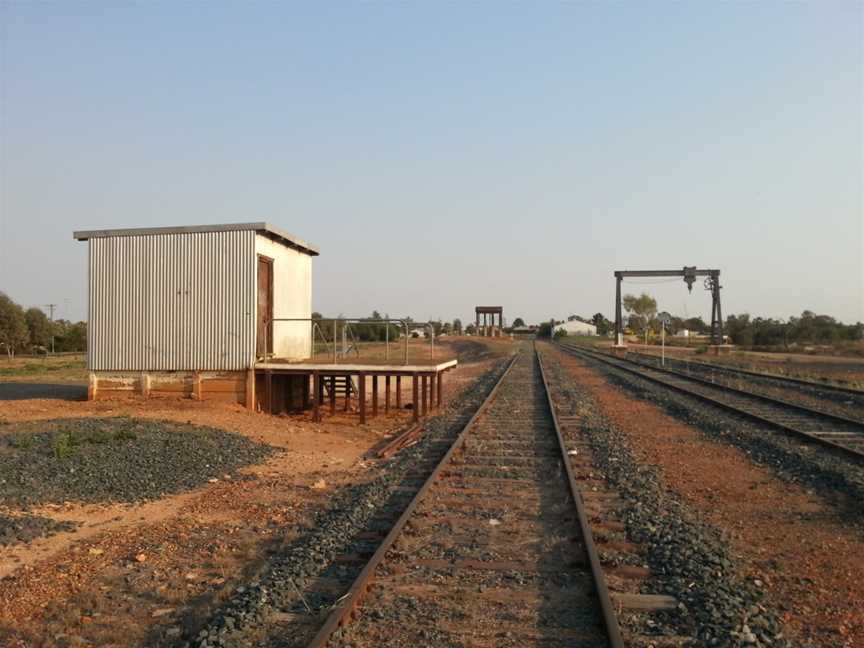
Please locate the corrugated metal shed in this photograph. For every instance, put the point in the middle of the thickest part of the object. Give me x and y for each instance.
(175, 299)
(261, 228)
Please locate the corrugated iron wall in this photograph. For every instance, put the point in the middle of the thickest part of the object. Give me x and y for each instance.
(172, 302)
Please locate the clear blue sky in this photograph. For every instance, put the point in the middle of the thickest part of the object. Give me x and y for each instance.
(444, 155)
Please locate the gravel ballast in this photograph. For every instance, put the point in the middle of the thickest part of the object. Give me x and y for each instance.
(687, 557)
(15, 529)
(96, 460)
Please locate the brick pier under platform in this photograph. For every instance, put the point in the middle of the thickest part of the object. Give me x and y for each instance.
(283, 387)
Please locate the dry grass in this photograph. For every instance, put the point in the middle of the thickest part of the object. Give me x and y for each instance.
(65, 368)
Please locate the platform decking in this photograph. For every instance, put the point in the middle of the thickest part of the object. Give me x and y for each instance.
(427, 384)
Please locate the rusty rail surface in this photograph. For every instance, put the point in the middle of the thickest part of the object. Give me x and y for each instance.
(407, 437)
(777, 413)
(358, 590)
(610, 620)
(349, 604)
(780, 379)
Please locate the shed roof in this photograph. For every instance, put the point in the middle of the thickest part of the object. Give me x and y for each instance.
(266, 229)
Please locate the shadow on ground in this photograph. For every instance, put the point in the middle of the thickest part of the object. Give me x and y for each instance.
(22, 391)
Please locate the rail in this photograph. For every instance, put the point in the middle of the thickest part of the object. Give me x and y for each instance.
(610, 620)
(854, 432)
(363, 582)
(348, 605)
(780, 378)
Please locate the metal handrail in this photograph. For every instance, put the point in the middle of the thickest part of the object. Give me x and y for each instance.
(316, 323)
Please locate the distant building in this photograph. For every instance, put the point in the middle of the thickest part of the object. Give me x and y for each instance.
(575, 327)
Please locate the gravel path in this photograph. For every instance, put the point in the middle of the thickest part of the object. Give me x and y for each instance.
(686, 556)
(114, 459)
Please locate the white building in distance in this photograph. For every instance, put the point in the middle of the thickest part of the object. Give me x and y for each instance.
(575, 327)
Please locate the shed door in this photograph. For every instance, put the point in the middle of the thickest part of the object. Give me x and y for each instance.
(264, 344)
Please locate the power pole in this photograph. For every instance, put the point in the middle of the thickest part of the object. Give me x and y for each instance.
(51, 308)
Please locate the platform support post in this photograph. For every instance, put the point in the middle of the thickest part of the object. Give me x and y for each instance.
(440, 379)
(250, 389)
(316, 396)
(416, 402)
(361, 397)
(306, 379)
(332, 394)
(433, 385)
(288, 393)
(399, 392)
(374, 395)
(425, 394)
(386, 394)
(348, 383)
(268, 381)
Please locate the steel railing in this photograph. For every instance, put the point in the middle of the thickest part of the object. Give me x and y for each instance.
(346, 323)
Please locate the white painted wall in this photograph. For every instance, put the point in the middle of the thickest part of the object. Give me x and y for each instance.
(292, 297)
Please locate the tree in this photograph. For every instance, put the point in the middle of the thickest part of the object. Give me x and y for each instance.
(739, 329)
(696, 325)
(644, 308)
(457, 326)
(13, 326)
(572, 318)
(604, 326)
(545, 329)
(39, 327)
(69, 336)
(76, 337)
(518, 322)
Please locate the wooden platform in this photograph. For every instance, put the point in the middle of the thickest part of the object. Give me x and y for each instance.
(282, 382)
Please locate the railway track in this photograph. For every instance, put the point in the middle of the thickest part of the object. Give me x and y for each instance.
(841, 434)
(845, 401)
(495, 549)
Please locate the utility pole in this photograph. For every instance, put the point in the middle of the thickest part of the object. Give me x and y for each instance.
(51, 308)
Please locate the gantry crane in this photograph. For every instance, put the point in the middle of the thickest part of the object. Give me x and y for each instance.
(689, 274)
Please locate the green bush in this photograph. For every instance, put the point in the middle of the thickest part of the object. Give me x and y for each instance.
(64, 445)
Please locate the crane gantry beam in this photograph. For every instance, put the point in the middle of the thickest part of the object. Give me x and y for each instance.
(689, 274)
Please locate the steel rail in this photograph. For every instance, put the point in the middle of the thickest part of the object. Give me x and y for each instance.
(358, 590)
(803, 434)
(773, 400)
(610, 620)
(826, 387)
